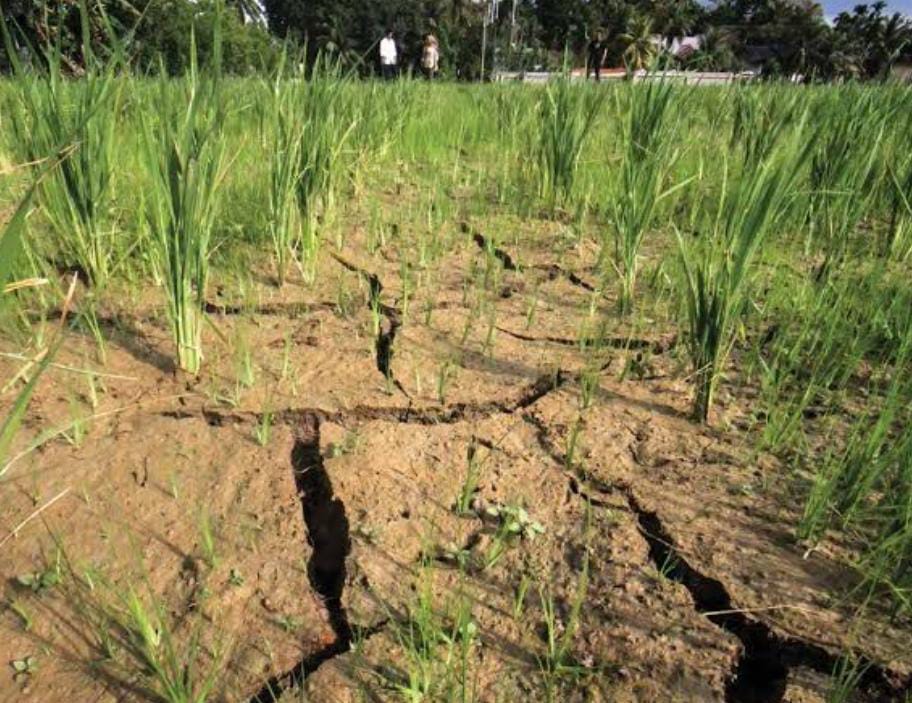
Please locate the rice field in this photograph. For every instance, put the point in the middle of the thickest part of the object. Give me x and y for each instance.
(332, 390)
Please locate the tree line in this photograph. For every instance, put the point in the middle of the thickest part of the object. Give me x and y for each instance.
(778, 37)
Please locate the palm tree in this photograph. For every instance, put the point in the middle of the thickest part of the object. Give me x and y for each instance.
(246, 9)
(640, 46)
(675, 18)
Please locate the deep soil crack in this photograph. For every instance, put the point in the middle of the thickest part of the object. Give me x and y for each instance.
(290, 310)
(578, 478)
(505, 259)
(655, 346)
(330, 540)
(386, 332)
(761, 672)
(553, 271)
(451, 414)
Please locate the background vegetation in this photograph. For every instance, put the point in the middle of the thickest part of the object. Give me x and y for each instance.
(781, 37)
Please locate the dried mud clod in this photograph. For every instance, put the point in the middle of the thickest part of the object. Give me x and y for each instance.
(330, 540)
(761, 673)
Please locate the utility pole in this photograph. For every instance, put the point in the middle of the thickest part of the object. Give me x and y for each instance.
(490, 16)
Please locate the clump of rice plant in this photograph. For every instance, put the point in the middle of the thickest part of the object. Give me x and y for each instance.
(566, 116)
(283, 115)
(865, 485)
(184, 153)
(648, 134)
(54, 116)
(325, 128)
(898, 239)
(759, 115)
(845, 171)
(718, 262)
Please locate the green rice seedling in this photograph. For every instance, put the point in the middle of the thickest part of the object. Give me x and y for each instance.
(845, 680)
(138, 642)
(21, 611)
(438, 641)
(420, 638)
(207, 538)
(470, 484)
(759, 115)
(79, 118)
(566, 116)
(718, 264)
(811, 348)
(557, 664)
(519, 598)
(850, 476)
(183, 151)
(444, 376)
(573, 441)
(244, 365)
(263, 429)
(649, 154)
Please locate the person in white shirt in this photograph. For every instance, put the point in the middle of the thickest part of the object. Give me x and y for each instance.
(389, 56)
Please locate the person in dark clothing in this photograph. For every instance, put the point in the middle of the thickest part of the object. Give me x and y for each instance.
(597, 52)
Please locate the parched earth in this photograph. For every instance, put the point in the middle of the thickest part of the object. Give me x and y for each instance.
(675, 541)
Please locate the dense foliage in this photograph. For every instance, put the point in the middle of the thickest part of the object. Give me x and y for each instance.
(779, 37)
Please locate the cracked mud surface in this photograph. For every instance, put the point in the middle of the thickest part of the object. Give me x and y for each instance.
(696, 591)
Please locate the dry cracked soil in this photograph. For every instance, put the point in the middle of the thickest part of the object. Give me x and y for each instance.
(677, 540)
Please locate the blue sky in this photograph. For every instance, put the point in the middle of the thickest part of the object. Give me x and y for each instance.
(831, 8)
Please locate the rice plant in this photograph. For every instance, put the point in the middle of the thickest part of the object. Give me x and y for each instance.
(566, 116)
(718, 263)
(284, 120)
(10, 251)
(183, 151)
(648, 136)
(759, 115)
(326, 127)
(898, 237)
(845, 171)
(55, 114)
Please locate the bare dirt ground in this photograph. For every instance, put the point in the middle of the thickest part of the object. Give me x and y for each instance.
(693, 586)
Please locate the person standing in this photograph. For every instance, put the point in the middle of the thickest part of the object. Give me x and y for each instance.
(430, 57)
(597, 53)
(389, 56)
